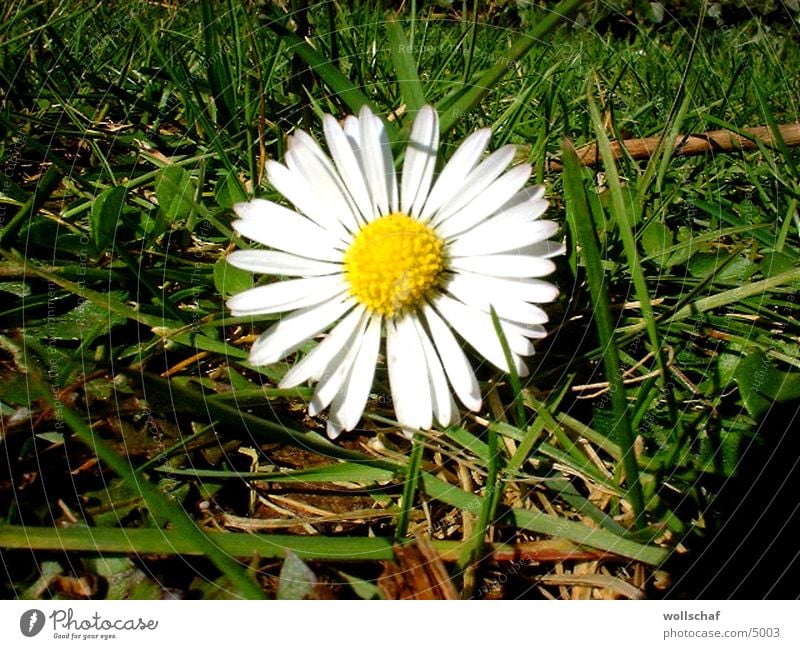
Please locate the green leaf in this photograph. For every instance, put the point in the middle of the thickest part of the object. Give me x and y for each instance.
(467, 440)
(52, 437)
(228, 191)
(735, 272)
(117, 500)
(761, 384)
(85, 322)
(48, 183)
(297, 580)
(230, 280)
(20, 289)
(125, 580)
(361, 587)
(656, 238)
(175, 192)
(775, 263)
(628, 197)
(105, 217)
(721, 453)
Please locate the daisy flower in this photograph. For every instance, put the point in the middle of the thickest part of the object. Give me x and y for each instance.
(418, 259)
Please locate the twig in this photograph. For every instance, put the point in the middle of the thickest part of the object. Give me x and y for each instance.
(719, 141)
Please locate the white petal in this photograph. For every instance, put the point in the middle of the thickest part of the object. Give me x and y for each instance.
(476, 182)
(477, 329)
(408, 377)
(525, 211)
(525, 331)
(353, 132)
(456, 365)
(348, 166)
(457, 168)
(528, 290)
(513, 214)
(287, 295)
(348, 405)
(316, 362)
(334, 378)
(420, 161)
(486, 203)
(305, 158)
(533, 193)
(278, 227)
(480, 294)
(444, 408)
(291, 331)
(377, 162)
(295, 186)
(510, 265)
(333, 430)
(544, 249)
(529, 331)
(271, 262)
(492, 237)
(517, 310)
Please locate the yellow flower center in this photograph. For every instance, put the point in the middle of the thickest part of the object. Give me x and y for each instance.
(392, 263)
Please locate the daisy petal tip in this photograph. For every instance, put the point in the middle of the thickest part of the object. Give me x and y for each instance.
(473, 404)
(242, 209)
(234, 305)
(257, 359)
(350, 123)
(450, 417)
(407, 432)
(272, 168)
(428, 112)
(333, 429)
(239, 224)
(234, 311)
(330, 124)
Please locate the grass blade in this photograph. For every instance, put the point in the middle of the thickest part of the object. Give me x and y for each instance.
(157, 502)
(581, 224)
(472, 97)
(410, 487)
(548, 524)
(513, 377)
(405, 67)
(345, 89)
(47, 185)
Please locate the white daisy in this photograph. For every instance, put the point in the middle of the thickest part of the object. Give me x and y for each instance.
(419, 260)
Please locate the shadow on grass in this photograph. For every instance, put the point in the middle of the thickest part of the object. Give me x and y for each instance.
(752, 552)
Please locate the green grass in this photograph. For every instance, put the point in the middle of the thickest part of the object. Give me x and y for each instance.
(137, 438)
